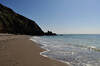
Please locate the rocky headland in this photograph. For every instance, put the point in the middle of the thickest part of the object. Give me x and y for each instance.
(14, 23)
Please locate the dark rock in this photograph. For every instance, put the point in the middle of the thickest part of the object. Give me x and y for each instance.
(11, 22)
(49, 33)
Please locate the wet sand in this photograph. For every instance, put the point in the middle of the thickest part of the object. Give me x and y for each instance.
(18, 50)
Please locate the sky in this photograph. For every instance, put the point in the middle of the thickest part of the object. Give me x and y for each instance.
(60, 16)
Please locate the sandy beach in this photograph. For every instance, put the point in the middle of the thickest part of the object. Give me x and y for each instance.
(18, 50)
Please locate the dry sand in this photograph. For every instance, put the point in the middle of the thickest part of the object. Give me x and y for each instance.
(18, 50)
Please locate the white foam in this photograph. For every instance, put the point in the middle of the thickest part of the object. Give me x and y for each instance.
(92, 47)
(47, 50)
(54, 59)
(51, 45)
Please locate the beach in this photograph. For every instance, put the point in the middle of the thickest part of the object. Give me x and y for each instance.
(18, 50)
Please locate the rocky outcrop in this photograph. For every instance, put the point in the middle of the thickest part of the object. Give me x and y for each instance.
(11, 22)
(50, 33)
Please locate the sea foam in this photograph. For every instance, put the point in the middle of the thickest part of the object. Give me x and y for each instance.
(77, 50)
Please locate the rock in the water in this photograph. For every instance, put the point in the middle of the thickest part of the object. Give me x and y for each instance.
(11, 22)
(50, 33)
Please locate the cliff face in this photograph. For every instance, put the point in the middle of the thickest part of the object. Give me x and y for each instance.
(11, 22)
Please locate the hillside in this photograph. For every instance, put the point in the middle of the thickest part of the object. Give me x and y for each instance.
(14, 23)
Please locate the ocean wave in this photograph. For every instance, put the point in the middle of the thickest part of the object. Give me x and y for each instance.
(75, 54)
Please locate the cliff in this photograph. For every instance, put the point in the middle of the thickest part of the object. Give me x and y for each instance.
(14, 23)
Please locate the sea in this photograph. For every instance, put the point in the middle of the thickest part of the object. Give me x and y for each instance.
(74, 49)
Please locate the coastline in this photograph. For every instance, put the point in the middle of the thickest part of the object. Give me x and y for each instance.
(18, 50)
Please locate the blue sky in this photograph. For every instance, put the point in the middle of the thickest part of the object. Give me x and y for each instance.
(61, 16)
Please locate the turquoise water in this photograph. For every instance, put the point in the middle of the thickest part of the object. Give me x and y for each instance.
(77, 49)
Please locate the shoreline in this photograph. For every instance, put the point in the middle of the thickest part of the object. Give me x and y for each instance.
(47, 50)
(18, 50)
(53, 58)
